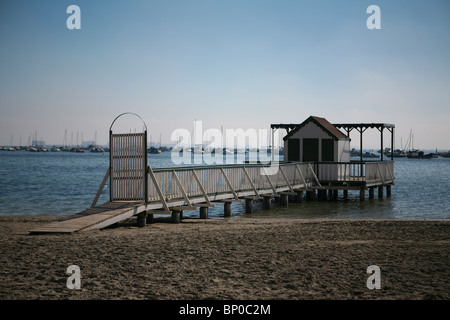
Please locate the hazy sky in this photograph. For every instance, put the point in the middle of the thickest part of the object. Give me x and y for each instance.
(231, 63)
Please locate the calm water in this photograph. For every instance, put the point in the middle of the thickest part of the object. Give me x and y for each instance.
(64, 183)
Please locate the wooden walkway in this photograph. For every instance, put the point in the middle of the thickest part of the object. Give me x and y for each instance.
(93, 218)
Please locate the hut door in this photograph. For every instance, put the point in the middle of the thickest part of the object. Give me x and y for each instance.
(310, 150)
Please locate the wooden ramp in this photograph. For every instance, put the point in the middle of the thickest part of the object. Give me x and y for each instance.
(93, 218)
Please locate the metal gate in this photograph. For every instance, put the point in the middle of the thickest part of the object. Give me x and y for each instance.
(128, 166)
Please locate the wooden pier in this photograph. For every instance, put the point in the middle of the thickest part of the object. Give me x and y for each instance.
(170, 191)
(138, 190)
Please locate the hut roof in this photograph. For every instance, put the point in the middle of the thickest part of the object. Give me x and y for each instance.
(321, 123)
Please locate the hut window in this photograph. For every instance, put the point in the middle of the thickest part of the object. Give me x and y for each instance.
(327, 150)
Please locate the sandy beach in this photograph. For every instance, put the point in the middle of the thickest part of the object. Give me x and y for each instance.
(232, 258)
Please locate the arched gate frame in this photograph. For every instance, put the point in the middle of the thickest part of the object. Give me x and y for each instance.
(128, 165)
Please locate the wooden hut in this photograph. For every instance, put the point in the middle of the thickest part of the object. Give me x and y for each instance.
(316, 140)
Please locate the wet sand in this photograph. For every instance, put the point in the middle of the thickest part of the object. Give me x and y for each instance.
(228, 258)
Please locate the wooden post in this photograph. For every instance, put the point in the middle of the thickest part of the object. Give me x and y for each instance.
(388, 190)
(141, 219)
(335, 194)
(361, 146)
(380, 192)
(248, 205)
(284, 199)
(149, 218)
(299, 197)
(392, 145)
(362, 194)
(266, 201)
(322, 194)
(311, 195)
(176, 216)
(371, 192)
(345, 194)
(227, 208)
(203, 212)
(330, 193)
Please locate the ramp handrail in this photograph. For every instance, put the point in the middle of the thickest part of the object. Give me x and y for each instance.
(200, 184)
(196, 181)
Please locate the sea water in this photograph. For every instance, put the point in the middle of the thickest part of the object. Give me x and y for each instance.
(64, 183)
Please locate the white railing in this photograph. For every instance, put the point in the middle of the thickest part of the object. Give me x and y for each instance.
(367, 172)
(382, 171)
(169, 187)
(231, 180)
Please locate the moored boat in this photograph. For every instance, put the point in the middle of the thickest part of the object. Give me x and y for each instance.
(419, 155)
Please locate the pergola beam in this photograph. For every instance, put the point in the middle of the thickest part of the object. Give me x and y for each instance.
(361, 127)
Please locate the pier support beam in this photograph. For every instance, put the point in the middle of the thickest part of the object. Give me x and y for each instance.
(248, 205)
(284, 199)
(176, 216)
(141, 219)
(149, 218)
(345, 194)
(203, 212)
(371, 192)
(311, 195)
(388, 190)
(299, 196)
(266, 202)
(362, 194)
(380, 192)
(335, 195)
(322, 195)
(227, 208)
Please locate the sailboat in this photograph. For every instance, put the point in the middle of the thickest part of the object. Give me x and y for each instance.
(419, 155)
(398, 153)
(415, 153)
